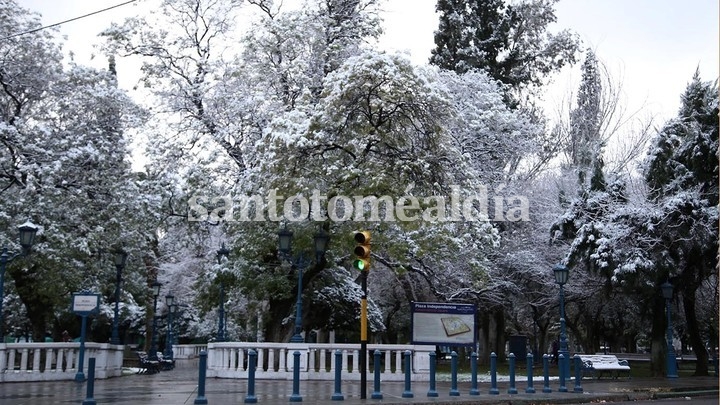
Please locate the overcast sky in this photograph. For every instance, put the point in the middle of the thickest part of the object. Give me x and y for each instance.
(654, 46)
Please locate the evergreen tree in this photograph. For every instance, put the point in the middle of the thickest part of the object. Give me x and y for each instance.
(585, 142)
(510, 42)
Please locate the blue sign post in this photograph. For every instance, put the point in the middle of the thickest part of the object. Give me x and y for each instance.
(84, 304)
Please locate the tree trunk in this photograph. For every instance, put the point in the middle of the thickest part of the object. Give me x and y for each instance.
(39, 306)
(277, 311)
(696, 341)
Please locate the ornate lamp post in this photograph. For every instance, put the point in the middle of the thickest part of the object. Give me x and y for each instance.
(320, 241)
(120, 260)
(169, 301)
(27, 237)
(222, 252)
(152, 355)
(173, 311)
(561, 277)
(667, 292)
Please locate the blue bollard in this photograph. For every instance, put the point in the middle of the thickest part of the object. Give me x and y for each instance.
(432, 392)
(453, 375)
(337, 395)
(201, 400)
(408, 391)
(530, 389)
(561, 370)
(578, 374)
(473, 374)
(493, 374)
(89, 400)
(296, 397)
(511, 388)
(546, 373)
(250, 398)
(376, 376)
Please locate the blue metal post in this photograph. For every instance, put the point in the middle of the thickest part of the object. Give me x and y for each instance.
(80, 376)
(408, 391)
(377, 394)
(153, 337)
(578, 374)
(338, 395)
(201, 400)
(250, 398)
(563, 388)
(546, 374)
(168, 337)
(453, 374)
(473, 374)
(511, 388)
(221, 315)
(493, 374)
(115, 336)
(671, 360)
(90, 400)
(564, 366)
(432, 392)
(530, 389)
(296, 397)
(297, 337)
(4, 259)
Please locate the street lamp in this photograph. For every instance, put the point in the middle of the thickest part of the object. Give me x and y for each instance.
(169, 301)
(667, 292)
(153, 338)
(173, 310)
(561, 277)
(27, 237)
(120, 260)
(320, 242)
(223, 251)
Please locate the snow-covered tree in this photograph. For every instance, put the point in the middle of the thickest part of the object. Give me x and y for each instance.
(511, 42)
(638, 244)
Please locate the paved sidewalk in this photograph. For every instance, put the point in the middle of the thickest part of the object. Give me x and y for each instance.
(179, 386)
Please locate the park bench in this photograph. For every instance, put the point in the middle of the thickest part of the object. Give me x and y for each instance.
(597, 364)
(165, 364)
(147, 366)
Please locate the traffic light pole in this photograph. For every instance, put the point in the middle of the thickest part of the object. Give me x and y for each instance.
(362, 263)
(363, 336)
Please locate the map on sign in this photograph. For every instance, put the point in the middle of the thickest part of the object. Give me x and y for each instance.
(454, 326)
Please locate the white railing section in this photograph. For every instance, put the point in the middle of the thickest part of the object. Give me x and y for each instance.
(317, 361)
(56, 361)
(183, 352)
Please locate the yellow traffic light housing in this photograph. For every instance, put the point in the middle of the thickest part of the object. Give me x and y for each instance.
(362, 251)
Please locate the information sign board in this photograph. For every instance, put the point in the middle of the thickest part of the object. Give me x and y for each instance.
(437, 323)
(84, 303)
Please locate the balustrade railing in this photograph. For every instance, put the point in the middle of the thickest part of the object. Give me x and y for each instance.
(56, 361)
(185, 352)
(274, 360)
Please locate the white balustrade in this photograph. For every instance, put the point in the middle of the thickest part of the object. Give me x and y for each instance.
(317, 360)
(56, 361)
(184, 352)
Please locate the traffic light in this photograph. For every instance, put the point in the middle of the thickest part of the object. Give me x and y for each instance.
(362, 251)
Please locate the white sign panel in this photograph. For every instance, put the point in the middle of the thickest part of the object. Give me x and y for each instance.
(85, 303)
(443, 323)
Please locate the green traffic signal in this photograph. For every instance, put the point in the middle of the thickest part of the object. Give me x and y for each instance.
(361, 264)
